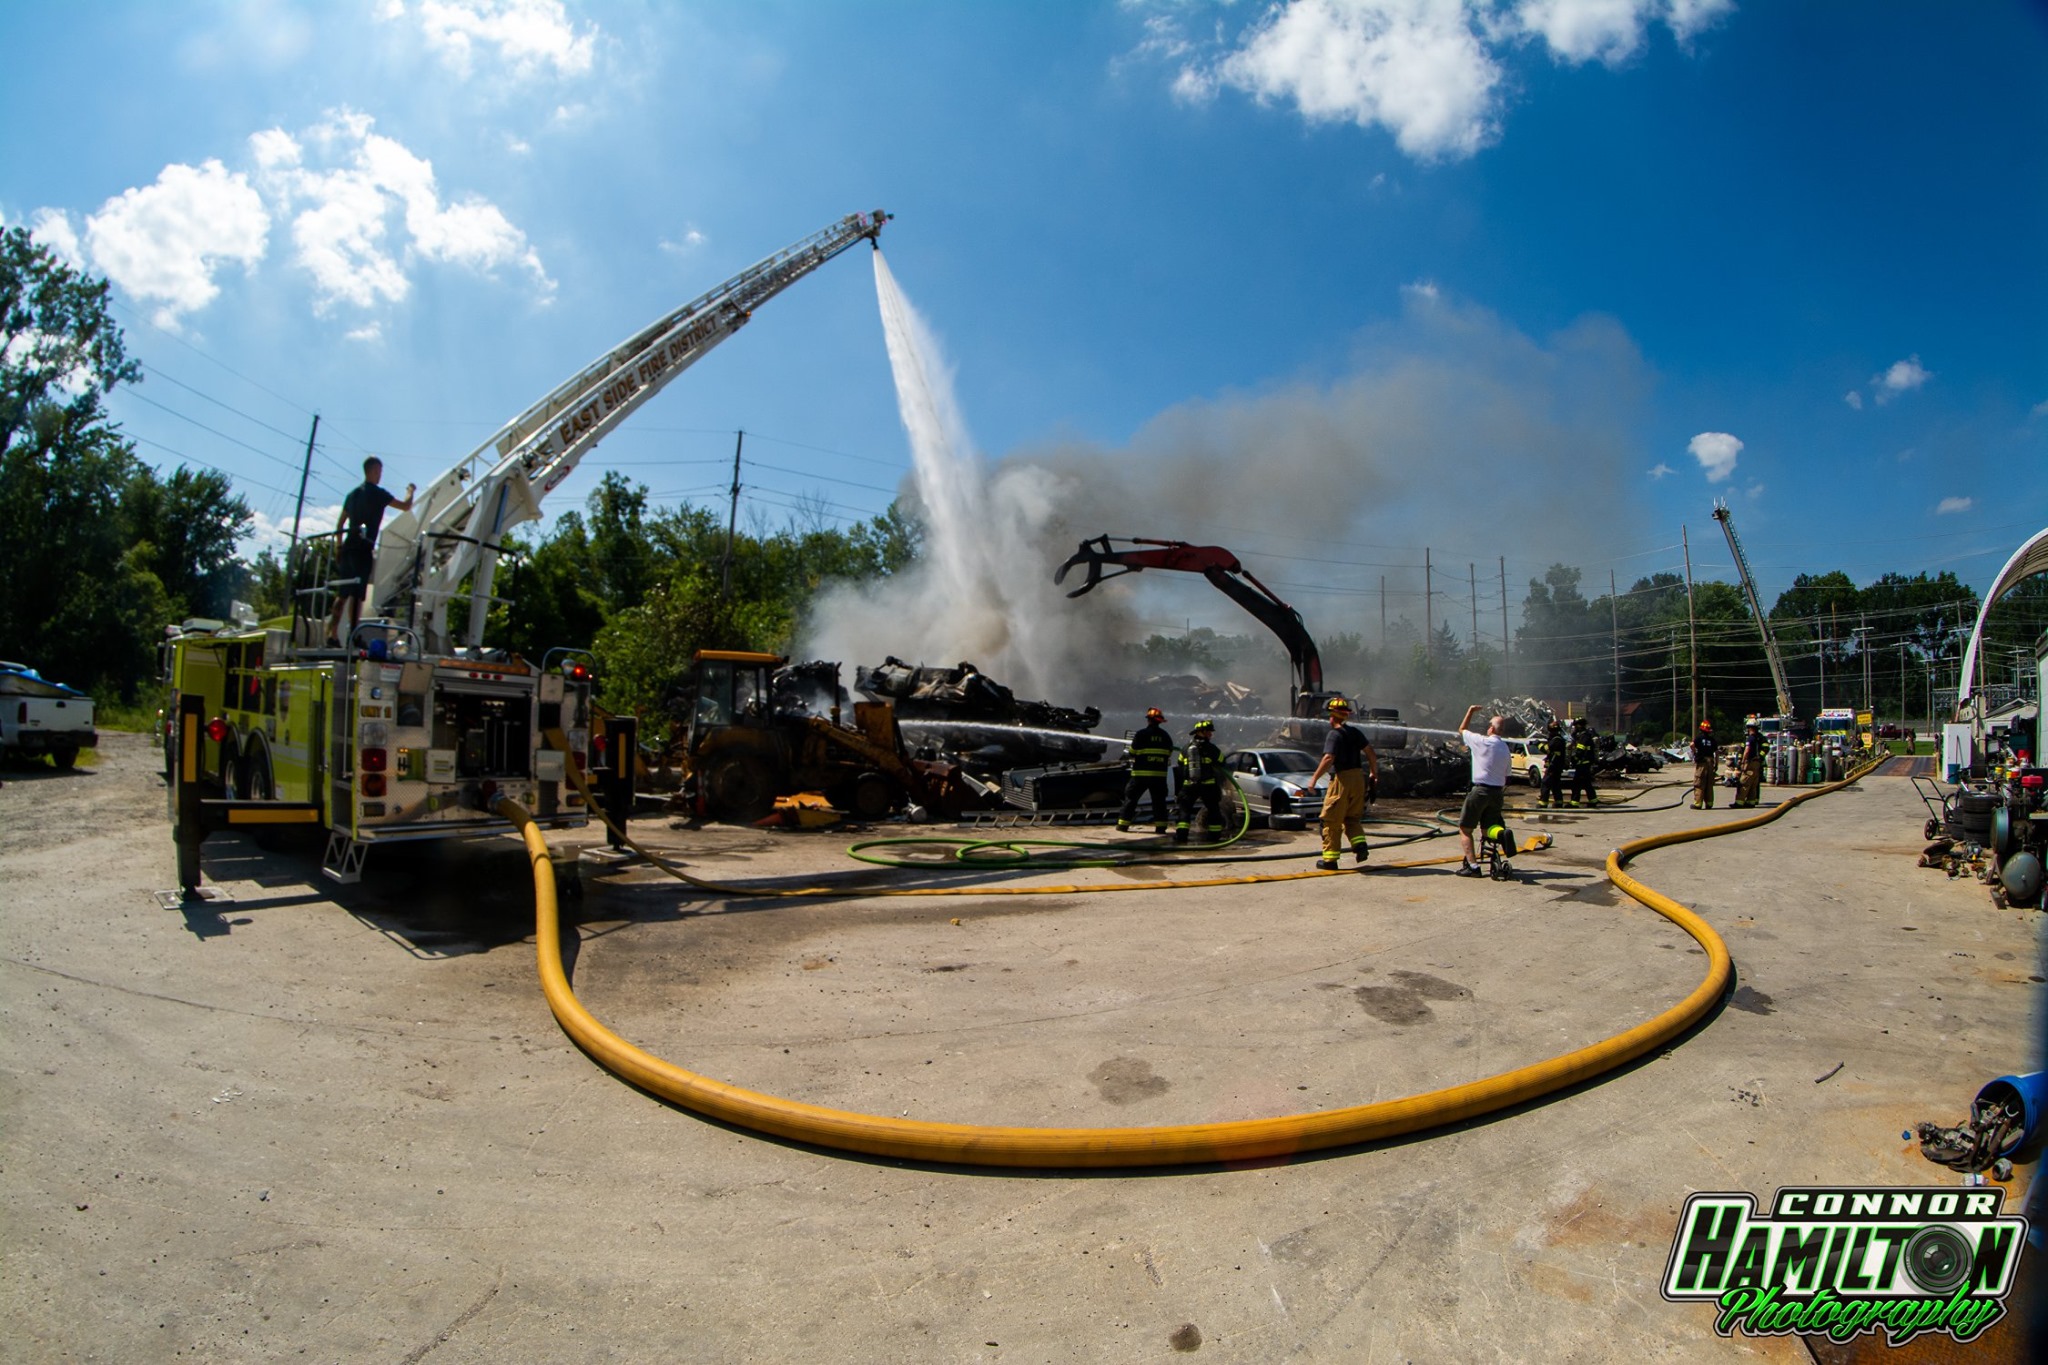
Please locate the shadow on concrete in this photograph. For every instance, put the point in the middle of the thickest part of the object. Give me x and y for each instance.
(40, 770)
(434, 898)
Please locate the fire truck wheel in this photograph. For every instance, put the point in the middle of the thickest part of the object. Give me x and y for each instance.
(872, 797)
(233, 779)
(259, 785)
(739, 788)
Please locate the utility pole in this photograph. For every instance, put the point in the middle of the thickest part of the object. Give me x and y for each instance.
(1472, 579)
(291, 558)
(1692, 632)
(1383, 611)
(1863, 648)
(1614, 627)
(1902, 683)
(732, 520)
(1823, 667)
(1428, 620)
(1674, 677)
(1507, 655)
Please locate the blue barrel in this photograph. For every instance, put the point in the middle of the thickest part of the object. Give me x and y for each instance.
(2031, 1090)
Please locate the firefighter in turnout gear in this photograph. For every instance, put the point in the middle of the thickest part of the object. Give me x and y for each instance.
(1752, 766)
(1585, 759)
(1151, 750)
(1704, 752)
(1557, 756)
(1347, 758)
(1198, 780)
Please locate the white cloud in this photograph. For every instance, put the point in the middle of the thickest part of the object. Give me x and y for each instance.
(369, 332)
(2039, 409)
(689, 241)
(341, 218)
(1950, 505)
(275, 533)
(527, 36)
(1414, 67)
(1753, 492)
(1578, 31)
(52, 227)
(518, 146)
(1427, 71)
(1660, 469)
(1854, 398)
(1903, 376)
(1610, 31)
(1688, 17)
(1716, 452)
(162, 243)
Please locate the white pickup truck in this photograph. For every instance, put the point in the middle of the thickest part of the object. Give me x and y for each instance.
(40, 717)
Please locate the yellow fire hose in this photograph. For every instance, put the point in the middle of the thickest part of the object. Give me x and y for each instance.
(1165, 1145)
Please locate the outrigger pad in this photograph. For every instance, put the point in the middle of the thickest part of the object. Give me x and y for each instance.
(176, 900)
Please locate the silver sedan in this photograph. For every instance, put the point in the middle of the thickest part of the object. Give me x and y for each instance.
(1275, 784)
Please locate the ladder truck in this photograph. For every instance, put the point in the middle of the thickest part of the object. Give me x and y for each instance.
(1776, 729)
(413, 728)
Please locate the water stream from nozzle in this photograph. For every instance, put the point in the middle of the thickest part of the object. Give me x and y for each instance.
(977, 596)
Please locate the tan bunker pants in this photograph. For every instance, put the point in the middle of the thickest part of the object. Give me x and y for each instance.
(1344, 811)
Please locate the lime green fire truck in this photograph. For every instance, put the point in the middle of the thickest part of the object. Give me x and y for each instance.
(374, 743)
(411, 727)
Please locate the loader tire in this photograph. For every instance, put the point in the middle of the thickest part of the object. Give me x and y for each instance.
(739, 790)
(872, 796)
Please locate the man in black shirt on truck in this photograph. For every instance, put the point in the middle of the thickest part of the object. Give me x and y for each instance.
(362, 512)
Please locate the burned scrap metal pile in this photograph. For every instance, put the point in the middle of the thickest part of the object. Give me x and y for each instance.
(969, 715)
(1184, 694)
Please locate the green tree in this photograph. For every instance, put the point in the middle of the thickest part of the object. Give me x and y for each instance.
(187, 526)
(77, 602)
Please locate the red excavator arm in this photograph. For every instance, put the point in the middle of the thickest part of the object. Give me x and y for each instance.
(1231, 578)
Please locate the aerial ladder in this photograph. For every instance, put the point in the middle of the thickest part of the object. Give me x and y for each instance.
(447, 547)
(1231, 578)
(1756, 607)
(402, 732)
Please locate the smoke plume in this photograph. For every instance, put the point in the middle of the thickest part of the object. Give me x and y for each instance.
(1448, 428)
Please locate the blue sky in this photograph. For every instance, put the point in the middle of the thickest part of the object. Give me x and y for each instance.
(1328, 281)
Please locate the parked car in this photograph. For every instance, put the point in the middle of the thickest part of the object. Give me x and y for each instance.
(1891, 731)
(1274, 783)
(1525, 760)
(40, 717)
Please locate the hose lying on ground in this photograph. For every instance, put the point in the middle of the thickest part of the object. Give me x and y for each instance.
(1164, 1145)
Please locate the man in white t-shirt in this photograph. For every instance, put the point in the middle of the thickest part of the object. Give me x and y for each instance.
(1489, 779)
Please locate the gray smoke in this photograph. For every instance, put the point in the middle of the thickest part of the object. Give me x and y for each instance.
(1448, 429)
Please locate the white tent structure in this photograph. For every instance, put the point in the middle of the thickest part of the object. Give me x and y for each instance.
(2030, 559)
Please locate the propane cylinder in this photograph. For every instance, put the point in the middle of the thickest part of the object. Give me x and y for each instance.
(2021, 877)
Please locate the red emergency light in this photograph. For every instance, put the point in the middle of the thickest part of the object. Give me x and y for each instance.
(217, 729)
(373, 784)
(373, 760)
